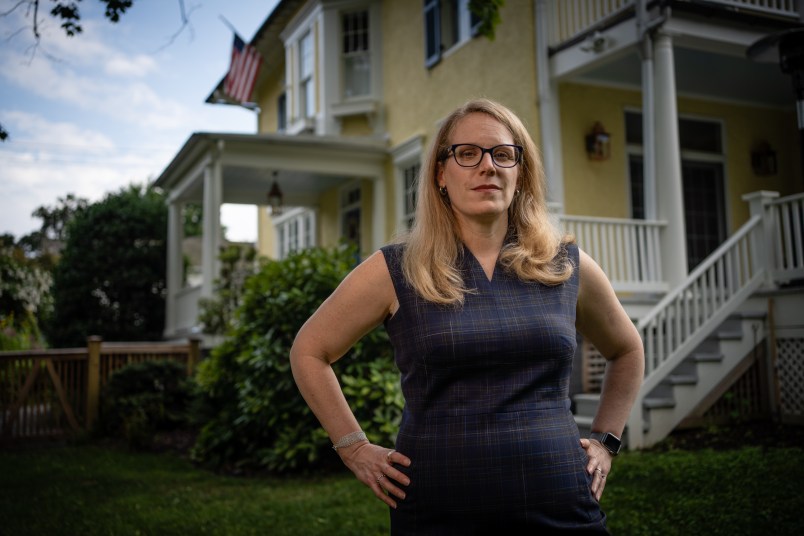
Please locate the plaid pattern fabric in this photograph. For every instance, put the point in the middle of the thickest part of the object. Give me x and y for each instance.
(487, 423)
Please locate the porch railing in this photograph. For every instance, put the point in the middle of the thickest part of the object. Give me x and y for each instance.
(787, 219)
(574, 18)
(628, 251)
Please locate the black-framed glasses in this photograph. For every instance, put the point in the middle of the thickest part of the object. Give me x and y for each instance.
(469, 155)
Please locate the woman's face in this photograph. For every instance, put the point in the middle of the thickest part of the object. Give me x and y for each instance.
(482, 193)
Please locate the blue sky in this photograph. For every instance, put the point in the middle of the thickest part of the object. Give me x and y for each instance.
(91, 114)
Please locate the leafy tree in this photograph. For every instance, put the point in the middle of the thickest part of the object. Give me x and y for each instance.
(193, 219)
(24, 294)
(256, 418)
(55, 219)
(110, 280)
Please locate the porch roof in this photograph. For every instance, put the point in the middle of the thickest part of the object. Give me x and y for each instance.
(304, 166)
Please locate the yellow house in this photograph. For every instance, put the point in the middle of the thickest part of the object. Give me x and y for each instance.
(668, 132)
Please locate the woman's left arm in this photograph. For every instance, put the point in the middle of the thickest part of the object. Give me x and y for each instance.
(601, 319)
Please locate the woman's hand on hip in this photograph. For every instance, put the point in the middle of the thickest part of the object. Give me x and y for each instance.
(373, 465)
(598, 466)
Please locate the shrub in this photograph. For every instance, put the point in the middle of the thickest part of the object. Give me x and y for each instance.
(142, 399)
(257, 418)
(110, 280)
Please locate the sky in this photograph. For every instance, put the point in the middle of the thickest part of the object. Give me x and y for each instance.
(110, 107)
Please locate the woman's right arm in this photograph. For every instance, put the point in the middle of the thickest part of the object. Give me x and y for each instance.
(360, 303)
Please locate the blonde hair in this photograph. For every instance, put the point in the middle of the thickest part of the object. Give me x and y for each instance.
(533, 250)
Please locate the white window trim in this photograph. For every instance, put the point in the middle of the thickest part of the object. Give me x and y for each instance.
(404, 155)
(282, 227)
(307, 20)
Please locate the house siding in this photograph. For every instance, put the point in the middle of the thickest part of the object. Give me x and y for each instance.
(416, 98)
(600, 188)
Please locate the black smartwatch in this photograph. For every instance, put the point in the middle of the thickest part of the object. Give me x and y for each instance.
(610, 441)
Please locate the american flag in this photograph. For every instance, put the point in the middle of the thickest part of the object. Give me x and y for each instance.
(242, 71)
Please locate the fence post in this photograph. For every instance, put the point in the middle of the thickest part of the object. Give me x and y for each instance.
(763, 249)
(93, 380)
(194, 355)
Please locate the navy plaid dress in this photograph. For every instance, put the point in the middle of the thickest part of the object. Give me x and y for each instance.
(487, 421)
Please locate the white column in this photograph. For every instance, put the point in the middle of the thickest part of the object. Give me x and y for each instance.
(175, 236)
(648, 130)
(549, 123)
(669, 187)
(211, 237)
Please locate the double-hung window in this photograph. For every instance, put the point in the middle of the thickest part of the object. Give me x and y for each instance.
(447, 23)
(306, 85)
(356, 54)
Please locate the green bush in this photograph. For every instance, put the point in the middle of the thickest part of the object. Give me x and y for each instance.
(256, 417)
(145, 398)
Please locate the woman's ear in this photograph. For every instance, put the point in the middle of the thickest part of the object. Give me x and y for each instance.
(440, 176)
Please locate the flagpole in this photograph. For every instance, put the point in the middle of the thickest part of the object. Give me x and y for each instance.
(228, 24)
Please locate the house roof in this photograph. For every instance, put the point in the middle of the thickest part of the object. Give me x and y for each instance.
(304, 166)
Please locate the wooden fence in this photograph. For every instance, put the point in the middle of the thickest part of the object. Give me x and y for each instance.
(49, 393)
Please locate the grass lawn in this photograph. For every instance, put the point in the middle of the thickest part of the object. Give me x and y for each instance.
(706, 488)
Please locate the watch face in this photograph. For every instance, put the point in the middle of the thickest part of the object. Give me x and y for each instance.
(612, 443)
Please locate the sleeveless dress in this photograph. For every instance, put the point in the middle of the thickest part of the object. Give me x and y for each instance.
(487, 421)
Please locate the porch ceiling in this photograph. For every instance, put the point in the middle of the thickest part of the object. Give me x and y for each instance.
(304, 167)
(706, 74)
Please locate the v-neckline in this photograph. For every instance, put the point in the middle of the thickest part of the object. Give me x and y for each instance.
(489, 278)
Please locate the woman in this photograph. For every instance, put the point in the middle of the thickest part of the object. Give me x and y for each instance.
(481, 302)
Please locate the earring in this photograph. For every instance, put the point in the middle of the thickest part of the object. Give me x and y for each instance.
(442, 190)
(516, 192)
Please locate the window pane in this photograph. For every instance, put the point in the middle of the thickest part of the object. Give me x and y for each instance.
(449, 23)
(306, 55)
(281, 112)
(432, 33)
(357, 75)
(633, 128)
(636, 172)
(704, 136)
(308, 98)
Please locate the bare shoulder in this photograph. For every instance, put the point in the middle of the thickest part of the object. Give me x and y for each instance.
(596, 297)
(592, 279)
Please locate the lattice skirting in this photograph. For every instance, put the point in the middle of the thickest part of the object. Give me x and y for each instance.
(790, 371)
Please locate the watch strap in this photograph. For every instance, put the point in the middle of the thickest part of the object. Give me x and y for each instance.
(611, 442)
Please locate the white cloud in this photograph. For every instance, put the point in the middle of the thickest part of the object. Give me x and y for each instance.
(136, 67)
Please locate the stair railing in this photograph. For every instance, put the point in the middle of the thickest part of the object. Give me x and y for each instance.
(693, 310)
(787, 220)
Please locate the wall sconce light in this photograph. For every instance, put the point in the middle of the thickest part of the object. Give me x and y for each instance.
(275, 198)
(598, 143)
(763, 159)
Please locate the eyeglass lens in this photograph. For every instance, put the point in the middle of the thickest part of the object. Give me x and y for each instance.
(468, 155)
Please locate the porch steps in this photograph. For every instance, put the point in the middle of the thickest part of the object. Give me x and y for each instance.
(688, 385)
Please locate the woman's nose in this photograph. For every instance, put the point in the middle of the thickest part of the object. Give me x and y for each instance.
(487, 162)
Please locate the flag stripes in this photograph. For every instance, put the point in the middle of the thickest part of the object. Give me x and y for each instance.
(243, 70)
